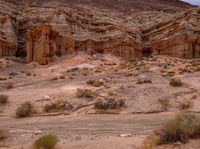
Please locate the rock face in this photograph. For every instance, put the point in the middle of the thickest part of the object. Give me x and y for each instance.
(8, 39)
(40, 32)
(179, 37)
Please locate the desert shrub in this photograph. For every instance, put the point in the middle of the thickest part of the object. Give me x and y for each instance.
(185, 105)
(28, 74)
(54, 79)
(150, 142)
(95, 83)
(175, 82)
(24, 110)
(106, 105)
(164, 103)
(58, 106)
(3, 133)
(62, 77)
(181, 128)
(144, 81)
(87, 93)
(47, 141)
(49, 108)
(3, 78)
(10, 85)
(129, 74)
(3, 99)
(171, 73)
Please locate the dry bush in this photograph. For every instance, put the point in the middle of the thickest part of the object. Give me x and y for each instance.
(24, 110)
(175, 82)
(144, 81)
(58, 106)
(3, 78)
(10, 85)
(84, 93)
(107, 105)
(150, 142)
(3, 99)
(181, 128)
(54, 78)
(171, 73)
(95, 83)
(128, 74)
(47, 141)
(164, 103)
(185, 105)
(62, 77)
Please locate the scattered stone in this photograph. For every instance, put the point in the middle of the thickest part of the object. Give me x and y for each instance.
(45, 98)
(125, 135)
(37, 132)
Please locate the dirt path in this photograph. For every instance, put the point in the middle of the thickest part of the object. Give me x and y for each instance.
(86, 131)
(140, 124)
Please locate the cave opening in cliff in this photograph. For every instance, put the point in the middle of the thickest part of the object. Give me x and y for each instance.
(147, 52)
(21, 53)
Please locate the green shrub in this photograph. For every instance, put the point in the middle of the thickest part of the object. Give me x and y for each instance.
(182, 128)
(176, 82)
(24, 110)
(3, 99)
(47, 141)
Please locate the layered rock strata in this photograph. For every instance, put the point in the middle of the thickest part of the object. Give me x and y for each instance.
(41, 32)
(179, 37)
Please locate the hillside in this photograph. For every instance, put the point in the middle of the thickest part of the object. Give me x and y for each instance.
(99, 74)
(125, 5)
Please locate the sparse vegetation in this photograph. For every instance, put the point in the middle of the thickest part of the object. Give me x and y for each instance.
(106, 105)
(183, 127)
(62, 77)
(150, 142)
(87, 93)
(57, 106)
(185, 105)
(95, 83)
(54, 79)
(175, 82)
(47, 141)
(144, 81)
(129, 74)
(3, 99)
(24, 110)
(164, 103)
(10, 85)
(28, 74)
(3, 78)
(171, 73)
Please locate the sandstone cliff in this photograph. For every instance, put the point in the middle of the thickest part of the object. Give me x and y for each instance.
(40, 32)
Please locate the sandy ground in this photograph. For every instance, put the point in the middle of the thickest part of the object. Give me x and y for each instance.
(86, 131)
(81, 127)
